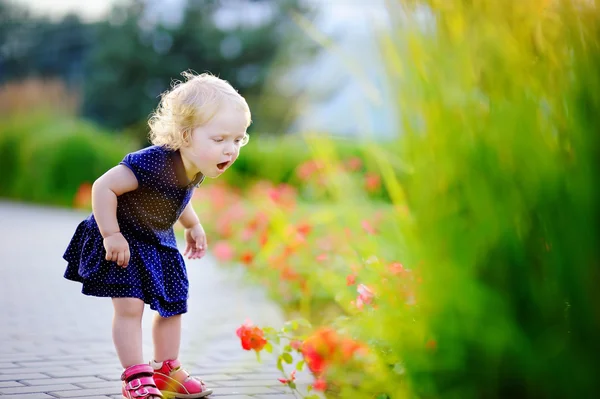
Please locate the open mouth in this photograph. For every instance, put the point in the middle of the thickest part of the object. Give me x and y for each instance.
(221, 166)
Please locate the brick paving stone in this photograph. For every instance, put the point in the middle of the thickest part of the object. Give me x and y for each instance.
(38, 388)
(66, 380)
(28, 396)
(252, 383)
(34, 369)
(235, 396)
(100, 384)
(214, 377)
(82, 393)
(10, 384)
(243, 390)
(260, 376)
(17, 377)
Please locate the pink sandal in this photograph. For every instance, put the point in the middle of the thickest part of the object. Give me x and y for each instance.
(138, 382)
(175, 382)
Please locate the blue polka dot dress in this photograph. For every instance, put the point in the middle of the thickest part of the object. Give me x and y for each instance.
(156, 272)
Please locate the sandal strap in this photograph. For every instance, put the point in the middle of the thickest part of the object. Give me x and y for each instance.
(173, 364)
(131, 371)
(139, 383)
(146, 392)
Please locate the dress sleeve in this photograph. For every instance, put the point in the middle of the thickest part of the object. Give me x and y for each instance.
(147, 165)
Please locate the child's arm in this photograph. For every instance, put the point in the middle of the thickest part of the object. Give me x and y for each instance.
(188, 217)
(195, 237)
(105, 190)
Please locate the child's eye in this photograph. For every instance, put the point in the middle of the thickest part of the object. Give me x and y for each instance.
(218, 140)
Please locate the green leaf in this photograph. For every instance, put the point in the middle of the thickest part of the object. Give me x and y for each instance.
(309, 388)
(300, 365)
(258, 356)
(312, 397)
(269, 330)
(268, 347)
(287, 348)
(279, 365)
(287, 358)
(292, 385)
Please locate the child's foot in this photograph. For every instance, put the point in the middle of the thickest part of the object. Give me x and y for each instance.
(175, 382)
(138, 382)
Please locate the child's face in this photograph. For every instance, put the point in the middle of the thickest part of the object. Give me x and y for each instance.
(215, 146)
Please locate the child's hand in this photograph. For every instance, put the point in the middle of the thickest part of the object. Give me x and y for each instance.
(195, 239)
(117, 249)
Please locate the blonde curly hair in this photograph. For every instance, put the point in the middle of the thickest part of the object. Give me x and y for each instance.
(189, 104)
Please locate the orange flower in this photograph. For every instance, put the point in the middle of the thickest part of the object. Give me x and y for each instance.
(252, 337)
(264, 238)
(319, 349)
(289, 274)
(247, 257)
(322, 257)
(304, 229)
(396, 268)
(83, 197)
(326, 347)
(350, 279)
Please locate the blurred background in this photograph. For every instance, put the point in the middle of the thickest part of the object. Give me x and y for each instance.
(420, 187)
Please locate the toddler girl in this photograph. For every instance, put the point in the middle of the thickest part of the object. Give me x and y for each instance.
(126, 248)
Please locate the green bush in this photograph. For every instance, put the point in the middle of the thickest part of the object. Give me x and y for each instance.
(46, 159)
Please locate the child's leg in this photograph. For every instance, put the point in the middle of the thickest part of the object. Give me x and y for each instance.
(170, 377)
(166, 334)
(127, 330)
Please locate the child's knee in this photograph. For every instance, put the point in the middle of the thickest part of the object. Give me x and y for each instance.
(128, 307)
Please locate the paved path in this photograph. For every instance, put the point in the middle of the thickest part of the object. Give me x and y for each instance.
(56, 342)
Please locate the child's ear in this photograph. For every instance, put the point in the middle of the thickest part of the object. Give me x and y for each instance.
(187, 137)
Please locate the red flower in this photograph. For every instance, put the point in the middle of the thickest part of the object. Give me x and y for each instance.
(365, 296)
(431, 344)
(372, 182)
(368, 227)
(288, 380)
(319, 349)
(353, 164)
(296, 344)
(252, 337)
(320, 385)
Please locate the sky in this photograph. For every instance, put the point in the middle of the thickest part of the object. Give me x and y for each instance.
(88, 9)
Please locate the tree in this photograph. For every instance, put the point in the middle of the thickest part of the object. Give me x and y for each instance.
(139, 51)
